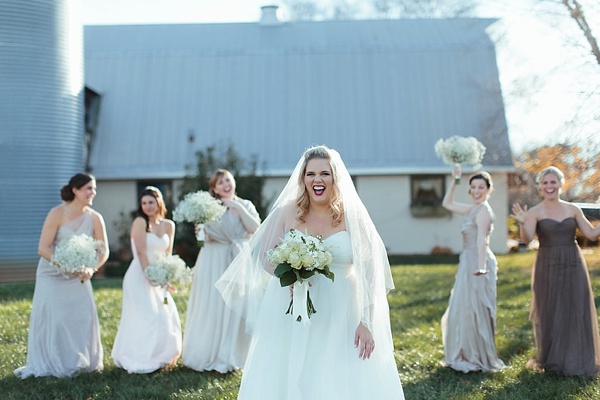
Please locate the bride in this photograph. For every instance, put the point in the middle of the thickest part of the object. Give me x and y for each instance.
(345, 349)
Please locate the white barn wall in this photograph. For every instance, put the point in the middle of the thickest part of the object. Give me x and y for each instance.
(387, 199)
(113, 198)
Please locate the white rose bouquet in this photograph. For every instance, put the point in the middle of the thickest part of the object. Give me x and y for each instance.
(166, 270)
(297, 258)
(458, 150)
(75, 255)
(198, 208)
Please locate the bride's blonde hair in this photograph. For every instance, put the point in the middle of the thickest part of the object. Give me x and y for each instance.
(336, 205)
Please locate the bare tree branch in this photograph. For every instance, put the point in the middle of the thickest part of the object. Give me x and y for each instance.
(577, 14)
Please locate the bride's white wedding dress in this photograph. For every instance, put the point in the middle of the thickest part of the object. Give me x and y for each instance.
(149, 334)
(291, 360)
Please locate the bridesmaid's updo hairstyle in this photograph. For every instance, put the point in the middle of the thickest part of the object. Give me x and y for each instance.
(482, 175)
(302, 201)
(76, 182)
(214, 179)
(162, 208)
(551, 170)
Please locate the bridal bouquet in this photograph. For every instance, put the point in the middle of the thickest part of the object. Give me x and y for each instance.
(76, 254)
(458, 150)
(198, 208)
(297, 258)
(167, 269)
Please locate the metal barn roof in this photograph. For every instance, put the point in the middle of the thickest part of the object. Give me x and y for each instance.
(381, 92)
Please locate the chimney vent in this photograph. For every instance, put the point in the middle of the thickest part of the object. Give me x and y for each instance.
(269, 16)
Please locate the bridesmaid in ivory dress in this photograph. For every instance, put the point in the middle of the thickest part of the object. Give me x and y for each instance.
(345, 349)
(563, 312)
(469, 323)
(64, 334)
(215, 338)
(149, 334)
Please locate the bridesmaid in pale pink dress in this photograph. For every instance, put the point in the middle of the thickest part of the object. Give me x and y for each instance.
(64, 333)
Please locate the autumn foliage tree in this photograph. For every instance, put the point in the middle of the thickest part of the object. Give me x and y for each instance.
(578, 161)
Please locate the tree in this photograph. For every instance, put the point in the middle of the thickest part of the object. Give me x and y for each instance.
(576, 11)
(249, 185)
(348, 9)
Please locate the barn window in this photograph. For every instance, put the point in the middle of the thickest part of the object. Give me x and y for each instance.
(427, 193)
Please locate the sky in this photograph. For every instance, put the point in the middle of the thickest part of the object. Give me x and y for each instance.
(547, 73)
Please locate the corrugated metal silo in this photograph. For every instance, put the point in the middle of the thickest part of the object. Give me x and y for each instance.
(41, 117)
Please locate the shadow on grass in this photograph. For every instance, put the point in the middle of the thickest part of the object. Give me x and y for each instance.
(445, 383)
(115, 383)
(24, 291)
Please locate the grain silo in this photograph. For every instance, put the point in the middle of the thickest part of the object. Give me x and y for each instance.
(41, 118)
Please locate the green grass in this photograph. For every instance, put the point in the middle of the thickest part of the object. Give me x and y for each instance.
(422, 289)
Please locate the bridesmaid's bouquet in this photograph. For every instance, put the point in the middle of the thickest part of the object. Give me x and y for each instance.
(198, 208)
(77, 254)
(458, 150)
(297, 258)
(166, 270)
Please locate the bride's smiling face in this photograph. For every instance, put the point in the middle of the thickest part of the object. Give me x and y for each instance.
(318, 180)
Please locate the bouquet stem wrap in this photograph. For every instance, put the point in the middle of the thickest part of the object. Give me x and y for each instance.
(300, 308)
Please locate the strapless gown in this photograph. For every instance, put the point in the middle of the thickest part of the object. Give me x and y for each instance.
(563, 311)
(290, 360)
(149, 334)
(64, 333)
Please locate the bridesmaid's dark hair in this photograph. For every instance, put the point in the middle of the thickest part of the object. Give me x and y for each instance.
(76, 182)
(156, 193)
(482, 175)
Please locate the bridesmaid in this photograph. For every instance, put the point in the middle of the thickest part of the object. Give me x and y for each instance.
(563, 312)
(149, 334)
(469, 323)
(64, 334)
(215, 337)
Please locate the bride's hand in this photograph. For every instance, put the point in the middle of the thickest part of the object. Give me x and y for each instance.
(363, 339)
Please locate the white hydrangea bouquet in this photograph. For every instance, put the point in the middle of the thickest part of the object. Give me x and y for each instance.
(166, 270)
(198, 208)
(297, 258)
(458, 150)
(77, 254)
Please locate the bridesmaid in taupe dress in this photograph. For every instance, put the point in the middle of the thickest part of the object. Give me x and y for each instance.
(563, 312)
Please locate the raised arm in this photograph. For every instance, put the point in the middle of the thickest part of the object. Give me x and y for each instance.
(585, 226)
(451, 205)
(526, 220)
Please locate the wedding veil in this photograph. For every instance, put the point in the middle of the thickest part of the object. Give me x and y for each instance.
(242, 285)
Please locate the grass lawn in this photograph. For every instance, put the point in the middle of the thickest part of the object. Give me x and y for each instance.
(417, 304)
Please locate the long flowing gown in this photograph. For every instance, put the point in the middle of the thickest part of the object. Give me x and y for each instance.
(291, 360)
(64, 333)
(215, 337)
(469, 323)
(562, 308)
(149, 334)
